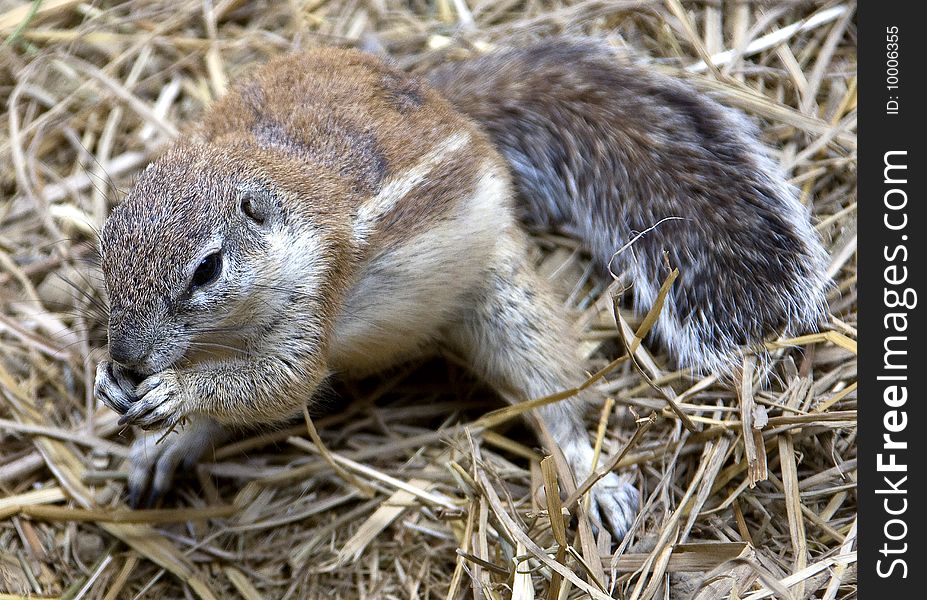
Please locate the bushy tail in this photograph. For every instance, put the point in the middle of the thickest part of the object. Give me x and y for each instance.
(608, 150)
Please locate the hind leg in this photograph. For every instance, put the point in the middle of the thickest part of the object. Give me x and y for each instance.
(516, 338)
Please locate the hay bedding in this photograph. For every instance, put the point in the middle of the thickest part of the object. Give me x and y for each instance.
(757, 500)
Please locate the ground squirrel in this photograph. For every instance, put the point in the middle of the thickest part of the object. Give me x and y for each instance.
(334, 215)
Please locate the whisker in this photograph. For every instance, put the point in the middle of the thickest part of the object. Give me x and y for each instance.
(94, 301)
(223, 329)
(208, 345)
(110, 184)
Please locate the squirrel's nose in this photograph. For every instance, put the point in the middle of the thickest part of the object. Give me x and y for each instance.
(126, 353)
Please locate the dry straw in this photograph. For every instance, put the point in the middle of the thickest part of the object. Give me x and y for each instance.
(414, 484)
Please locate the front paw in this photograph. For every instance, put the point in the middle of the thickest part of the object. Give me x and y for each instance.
(114, 387)
(160, 402)
(155, 457)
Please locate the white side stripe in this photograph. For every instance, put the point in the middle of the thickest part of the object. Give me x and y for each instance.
(396, 189)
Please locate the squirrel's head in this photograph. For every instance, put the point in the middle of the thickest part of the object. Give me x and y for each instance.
(205, 257)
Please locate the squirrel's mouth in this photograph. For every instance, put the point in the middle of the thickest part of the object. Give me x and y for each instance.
(136, 377)
(132, 372)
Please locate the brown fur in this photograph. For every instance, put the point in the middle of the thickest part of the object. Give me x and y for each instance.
(353, 115)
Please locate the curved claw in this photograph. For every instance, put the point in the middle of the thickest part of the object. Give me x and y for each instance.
(158, 405)
(114, 387)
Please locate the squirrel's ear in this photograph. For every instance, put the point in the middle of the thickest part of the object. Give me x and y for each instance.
(256, 203)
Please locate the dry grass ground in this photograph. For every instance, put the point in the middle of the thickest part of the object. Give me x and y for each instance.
(749, 489)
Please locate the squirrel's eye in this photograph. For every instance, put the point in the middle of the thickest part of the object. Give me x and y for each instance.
(207, 271)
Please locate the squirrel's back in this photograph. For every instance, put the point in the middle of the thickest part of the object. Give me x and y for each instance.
(608, 150)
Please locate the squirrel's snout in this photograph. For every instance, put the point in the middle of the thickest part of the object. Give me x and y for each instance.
(128, 354)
